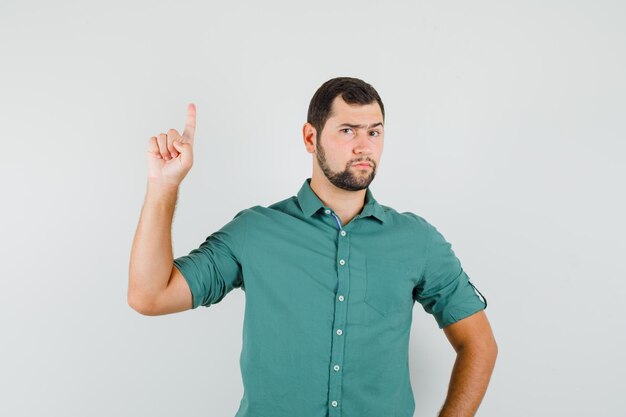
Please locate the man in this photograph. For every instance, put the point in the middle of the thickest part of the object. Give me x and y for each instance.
(330, 276)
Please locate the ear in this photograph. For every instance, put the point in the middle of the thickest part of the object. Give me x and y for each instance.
(309, 135)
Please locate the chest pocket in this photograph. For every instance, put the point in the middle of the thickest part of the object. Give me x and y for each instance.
(388, 287)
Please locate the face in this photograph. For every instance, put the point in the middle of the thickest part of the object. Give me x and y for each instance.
(353, 134)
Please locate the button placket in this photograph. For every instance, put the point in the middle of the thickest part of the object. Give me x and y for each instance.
(339, 324)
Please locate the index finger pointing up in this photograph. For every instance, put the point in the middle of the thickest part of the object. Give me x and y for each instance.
(190, 123)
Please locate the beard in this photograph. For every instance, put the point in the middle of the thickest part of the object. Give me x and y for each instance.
(351, 178)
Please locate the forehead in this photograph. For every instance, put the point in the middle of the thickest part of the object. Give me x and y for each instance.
(343, 112)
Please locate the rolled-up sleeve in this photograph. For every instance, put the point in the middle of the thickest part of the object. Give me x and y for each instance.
(444, 289)
(214, 268)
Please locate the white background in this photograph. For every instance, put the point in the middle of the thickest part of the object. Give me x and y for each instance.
(505, 129)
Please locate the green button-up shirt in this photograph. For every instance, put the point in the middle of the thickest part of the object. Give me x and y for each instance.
(328, 307)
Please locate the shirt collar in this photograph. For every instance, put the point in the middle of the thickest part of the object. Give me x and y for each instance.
(310, 203)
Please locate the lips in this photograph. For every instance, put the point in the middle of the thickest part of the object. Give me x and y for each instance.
(362, 165)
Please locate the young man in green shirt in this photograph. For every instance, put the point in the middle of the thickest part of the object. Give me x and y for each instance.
(330, 275)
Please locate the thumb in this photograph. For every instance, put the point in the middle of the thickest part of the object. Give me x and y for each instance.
(181, 147)
(184, 149)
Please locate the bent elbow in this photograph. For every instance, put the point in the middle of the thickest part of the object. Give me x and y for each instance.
(140, 306)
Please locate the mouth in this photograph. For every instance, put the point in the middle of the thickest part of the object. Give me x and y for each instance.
(364, 165)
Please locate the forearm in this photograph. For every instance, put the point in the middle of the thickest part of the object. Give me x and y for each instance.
(151, 256)
(470, 377)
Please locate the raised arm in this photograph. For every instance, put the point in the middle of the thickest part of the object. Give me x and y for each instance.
(155, 286)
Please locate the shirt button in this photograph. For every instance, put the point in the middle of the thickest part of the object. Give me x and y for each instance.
(336, 367)
(342, 262)
(334, 403)
(343, 233)
(339, 332)
(341, 298)
(327, 211)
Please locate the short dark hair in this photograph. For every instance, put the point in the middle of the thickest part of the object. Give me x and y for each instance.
(351, 90)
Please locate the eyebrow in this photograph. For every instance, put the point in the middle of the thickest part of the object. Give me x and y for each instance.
(361, 126)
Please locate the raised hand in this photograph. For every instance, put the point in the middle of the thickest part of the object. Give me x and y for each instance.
(170, 155)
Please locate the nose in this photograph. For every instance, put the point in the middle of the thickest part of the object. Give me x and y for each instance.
(362, 145)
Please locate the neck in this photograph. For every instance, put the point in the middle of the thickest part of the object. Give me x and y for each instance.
(346, 204)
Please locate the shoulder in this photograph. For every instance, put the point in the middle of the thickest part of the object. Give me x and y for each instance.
(407, 219)
(259, 213)
(245, 215)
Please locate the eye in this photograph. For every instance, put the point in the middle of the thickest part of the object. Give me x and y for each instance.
(347, 128)
(377, 133)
